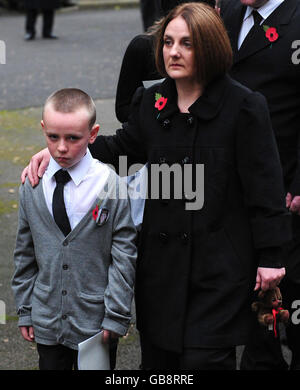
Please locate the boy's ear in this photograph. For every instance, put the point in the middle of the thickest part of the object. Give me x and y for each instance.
(94, 133)
(42, 124)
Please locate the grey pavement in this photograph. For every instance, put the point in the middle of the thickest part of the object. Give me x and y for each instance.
(88, 55)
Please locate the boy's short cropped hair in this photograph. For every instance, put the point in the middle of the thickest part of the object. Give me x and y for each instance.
(213, 53)
(69, 100)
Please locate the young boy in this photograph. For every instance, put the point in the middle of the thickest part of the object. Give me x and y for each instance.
(75, 249)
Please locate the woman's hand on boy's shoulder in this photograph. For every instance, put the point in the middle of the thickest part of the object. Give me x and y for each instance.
(36, 168)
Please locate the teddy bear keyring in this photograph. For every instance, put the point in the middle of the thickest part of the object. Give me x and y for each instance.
(269, 310)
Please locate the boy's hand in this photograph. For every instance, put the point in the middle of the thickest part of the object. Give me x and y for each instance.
(36, 168)
(27, 332)
(108, 334)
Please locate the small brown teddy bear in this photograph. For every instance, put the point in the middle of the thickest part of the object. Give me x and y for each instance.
(269, 309)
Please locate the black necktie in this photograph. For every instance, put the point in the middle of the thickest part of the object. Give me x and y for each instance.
(58, 204)
(257, 18)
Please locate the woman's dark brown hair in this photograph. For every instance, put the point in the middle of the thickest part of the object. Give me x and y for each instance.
(213, 53)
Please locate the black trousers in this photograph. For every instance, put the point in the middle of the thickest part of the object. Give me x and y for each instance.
(48, 21)
(59, 357)
(191, 358)
(263, 352)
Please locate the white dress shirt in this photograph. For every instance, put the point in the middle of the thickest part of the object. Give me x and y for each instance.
(88, 179)
(265, 11)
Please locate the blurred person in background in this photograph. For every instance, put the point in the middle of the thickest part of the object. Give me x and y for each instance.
(263, 34)
(33, 8)
(150, 10)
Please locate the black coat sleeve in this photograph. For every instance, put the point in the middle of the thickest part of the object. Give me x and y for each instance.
(138, 65)
(128, 141)
(261, 175)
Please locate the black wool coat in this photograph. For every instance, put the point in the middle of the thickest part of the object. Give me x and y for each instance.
(196, 268)
(42, 4)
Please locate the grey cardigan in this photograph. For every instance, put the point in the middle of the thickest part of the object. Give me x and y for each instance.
(68, 288)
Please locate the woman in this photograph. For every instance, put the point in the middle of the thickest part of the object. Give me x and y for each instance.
(138, 65)
(197, 265)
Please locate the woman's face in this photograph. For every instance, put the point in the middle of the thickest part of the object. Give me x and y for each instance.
(178, 51)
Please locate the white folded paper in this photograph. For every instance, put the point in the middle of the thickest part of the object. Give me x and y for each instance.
(93, 354)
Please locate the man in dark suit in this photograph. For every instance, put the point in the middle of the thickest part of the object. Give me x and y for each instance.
(266, 60)
(32, 8)
(151, 11)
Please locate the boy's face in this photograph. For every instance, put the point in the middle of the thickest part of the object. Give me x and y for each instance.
(68, 135)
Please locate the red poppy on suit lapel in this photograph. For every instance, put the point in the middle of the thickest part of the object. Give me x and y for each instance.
(271, 33)
(160, 101)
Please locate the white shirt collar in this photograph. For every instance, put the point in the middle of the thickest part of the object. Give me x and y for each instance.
(265, 10)
(77, 172)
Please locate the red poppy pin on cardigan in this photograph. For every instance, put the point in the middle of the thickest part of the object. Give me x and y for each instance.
(95, 212)
(271, 33)
(100, 215)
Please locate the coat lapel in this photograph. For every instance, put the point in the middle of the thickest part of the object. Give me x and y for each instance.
(279, 19)
(211, 102)
(256, 41)
(206, 107)
(167, 89)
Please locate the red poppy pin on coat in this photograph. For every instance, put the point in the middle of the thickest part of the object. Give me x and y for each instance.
(160, 102)
(271, 33)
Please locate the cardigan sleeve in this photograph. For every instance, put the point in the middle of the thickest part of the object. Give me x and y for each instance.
(25, 265)
(121, 273)
(261, 176)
